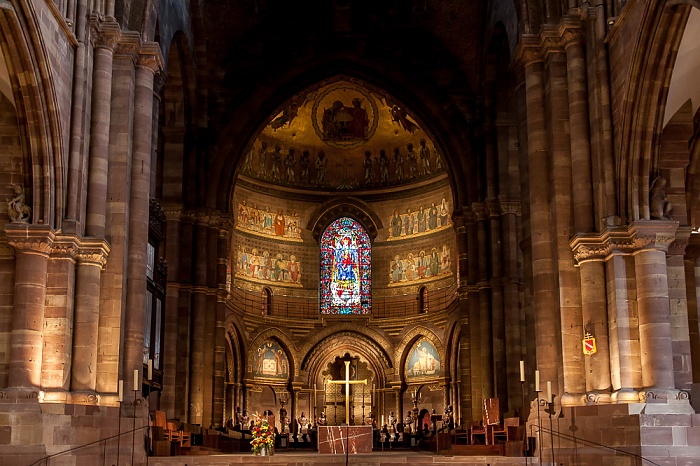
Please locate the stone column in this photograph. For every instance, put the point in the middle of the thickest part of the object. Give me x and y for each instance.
(545, 297)
(625, 363)
(469, 360)
(106, 35)
(653, 238)
(199, 313)
(58, 315)
(590, 253)
(509, 212)
(568, 282)
(32, 245)
(486, 316)
(171, 333)
(139, 208)
(678, 302)
(692, 276)
(222, 248)
(92, 257)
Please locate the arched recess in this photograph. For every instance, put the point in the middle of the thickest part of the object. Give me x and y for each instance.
(37, 108)
(660, 35)
(348, 207)
(235, 366)
(336, 345)
(439, 97)
(287, 345)
(407, 342)
(367, 333)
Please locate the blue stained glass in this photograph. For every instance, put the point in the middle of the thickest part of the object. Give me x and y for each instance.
(346, 272)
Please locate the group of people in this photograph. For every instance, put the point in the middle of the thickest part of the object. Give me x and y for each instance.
(419, 221)
(420, 266)
(267, 222)
(265, 267)
(276, 166)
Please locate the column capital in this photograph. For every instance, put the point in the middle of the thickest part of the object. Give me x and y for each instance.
(479, 209)
(149, 57)
(104, 32)
(529, 51)
(93, 251)
(511, 207)
(653, 234)
(30, 238)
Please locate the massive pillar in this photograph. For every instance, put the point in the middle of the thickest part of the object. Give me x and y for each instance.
(545, 298)
(198, 377)
(32, 245)
(469, 360)
(653, 238)
(223, 232)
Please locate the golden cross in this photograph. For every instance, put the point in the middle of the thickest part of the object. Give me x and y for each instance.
(347, 383)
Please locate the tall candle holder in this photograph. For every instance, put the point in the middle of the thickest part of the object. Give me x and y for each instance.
(540, 402)
(549, 409)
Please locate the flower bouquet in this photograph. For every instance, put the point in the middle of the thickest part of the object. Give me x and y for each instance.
(263, 437)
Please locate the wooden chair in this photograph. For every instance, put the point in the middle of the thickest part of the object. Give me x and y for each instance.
(163, 423)
(184, 439)
(504, 431)
(477, 429)
(492, 417)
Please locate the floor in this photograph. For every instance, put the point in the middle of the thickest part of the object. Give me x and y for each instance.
(296, 458)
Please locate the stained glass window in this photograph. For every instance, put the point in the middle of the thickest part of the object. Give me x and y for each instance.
(346, 274)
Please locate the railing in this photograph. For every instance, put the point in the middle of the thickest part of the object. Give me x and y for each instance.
(101, 443)
(308, 308)
(578, 441)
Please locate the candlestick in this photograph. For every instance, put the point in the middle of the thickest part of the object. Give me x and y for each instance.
(537, 381)
(121, 390)
(549, 391)
(136, 380)
(382, 421)
(150, 369)
(522, 371)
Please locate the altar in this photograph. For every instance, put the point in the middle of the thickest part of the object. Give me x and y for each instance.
(341, 439)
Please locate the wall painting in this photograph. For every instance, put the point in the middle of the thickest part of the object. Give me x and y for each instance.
(270, 361)
(423, 361)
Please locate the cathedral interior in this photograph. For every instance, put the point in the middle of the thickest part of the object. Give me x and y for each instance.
(216, 207)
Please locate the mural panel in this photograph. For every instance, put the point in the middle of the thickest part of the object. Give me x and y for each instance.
(423, 361)
(421, 266)
(420, 221)
(270, 361)
(268, 222)
(264, 267)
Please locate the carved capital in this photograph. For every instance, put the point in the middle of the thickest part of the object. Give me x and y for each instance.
(104, 32)
(128, 45)
(479, 210)
(202, 217)
(511, 207)
(590, 247)
(654, 234)
(30, 239)
(150, 57)
(93, 251)
(528, 52)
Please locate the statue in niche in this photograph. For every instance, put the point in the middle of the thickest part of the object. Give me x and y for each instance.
(658, 201)
(17, 209)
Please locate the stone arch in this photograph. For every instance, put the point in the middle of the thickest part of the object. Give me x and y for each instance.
(642, 117)
(339, 207)
(349, 327)
(238, 350)
(411, 337)
(38, 110)
(337, 344)
(449, 113)
(286, 344)
(452, 353)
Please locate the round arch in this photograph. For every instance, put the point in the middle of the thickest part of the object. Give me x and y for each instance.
(286, 344)
(448, 109)
(407, 342)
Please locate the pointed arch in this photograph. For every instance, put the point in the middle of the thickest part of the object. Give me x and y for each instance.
(279, 336)
(37, 107)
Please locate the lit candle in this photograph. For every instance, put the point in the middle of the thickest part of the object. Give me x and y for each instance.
(537, 381)
(522, 371)
(549, 391)
(382, 421)
(136, 380)
(150, 369)
(121, 390)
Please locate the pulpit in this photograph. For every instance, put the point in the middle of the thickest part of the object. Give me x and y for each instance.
(341, 439)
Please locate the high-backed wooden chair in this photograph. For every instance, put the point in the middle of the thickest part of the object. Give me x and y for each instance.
(162, 422)
(477, 429)
(492, 417)
(177, 435)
